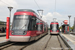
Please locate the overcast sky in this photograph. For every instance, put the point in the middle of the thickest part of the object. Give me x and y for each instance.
(63, 9)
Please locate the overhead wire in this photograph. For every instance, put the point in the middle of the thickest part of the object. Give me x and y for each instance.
(37, 4)
(6, 3)
(55, 5)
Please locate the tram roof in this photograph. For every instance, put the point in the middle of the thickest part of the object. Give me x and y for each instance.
(53, 22)
(29, 10)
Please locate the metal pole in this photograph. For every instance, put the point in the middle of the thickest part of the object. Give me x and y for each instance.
(69, 22)
(74, 25)
(61, 27)
(10, 16)
(10, 8)
(40, 13)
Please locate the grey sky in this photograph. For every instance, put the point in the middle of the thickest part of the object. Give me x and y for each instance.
(63, 8)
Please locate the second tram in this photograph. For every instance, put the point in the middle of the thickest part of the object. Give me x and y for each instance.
(54, 28)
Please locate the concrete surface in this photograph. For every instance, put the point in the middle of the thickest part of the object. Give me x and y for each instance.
(3, 39)
(69, 39)
(2, 34)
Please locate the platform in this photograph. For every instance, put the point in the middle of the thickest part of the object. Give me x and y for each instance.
(2, 34)
(3, 39)
(69, 38)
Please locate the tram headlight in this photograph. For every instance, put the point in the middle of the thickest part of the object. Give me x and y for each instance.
(12, 33)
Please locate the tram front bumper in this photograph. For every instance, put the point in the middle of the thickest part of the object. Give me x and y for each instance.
(54, 32)
(19, 38)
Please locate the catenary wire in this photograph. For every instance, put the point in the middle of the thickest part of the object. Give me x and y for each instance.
(36, 4)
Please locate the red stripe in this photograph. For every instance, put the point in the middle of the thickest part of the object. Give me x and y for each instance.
(25, 13)
(54, 23)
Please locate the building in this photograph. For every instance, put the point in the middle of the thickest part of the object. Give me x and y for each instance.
(2, 24)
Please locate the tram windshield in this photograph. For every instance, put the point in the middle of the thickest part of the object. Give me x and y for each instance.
(20, 22)
(54, 27)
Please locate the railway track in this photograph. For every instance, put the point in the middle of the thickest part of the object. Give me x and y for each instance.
(16, 45)
(47, 43)
(73, 33)
(54, 42)
(6, 45)
(58, 45)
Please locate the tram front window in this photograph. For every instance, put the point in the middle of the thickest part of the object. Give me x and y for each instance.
(20, 22)
(54, 27)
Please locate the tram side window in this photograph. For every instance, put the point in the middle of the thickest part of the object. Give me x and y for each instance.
(32, 24)
(57, 26)
(42, 27)
(45, 27)
(39, 26)
(37, 21)
(50, 27)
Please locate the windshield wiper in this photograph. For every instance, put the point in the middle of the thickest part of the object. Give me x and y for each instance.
(23, 26)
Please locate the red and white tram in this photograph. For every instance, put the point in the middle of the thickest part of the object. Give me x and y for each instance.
(27, 26)
(54, 28)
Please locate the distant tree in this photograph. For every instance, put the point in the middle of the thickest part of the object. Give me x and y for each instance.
(1, 22)
(60, 27)
(72, 27)
(48, 28)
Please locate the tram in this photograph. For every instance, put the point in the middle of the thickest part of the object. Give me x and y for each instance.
(27, 26)
(54, 28)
